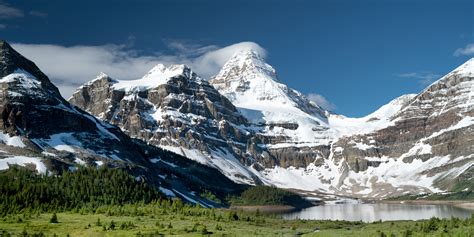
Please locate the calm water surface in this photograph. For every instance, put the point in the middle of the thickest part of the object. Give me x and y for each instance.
(378, 211)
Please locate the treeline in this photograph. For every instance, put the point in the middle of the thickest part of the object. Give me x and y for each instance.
(23, 190)
(461, 195)
(266, 195)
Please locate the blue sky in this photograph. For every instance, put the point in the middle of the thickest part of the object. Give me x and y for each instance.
(357, 54)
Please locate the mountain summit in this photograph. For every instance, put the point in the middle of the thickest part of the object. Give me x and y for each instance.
(246, 65)
(11, 60)
(250, 83)
(252, 86)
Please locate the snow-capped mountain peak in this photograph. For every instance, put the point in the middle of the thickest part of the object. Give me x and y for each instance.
(158, 75)
(249, 82)
(466, 69)
(252, 86)
(247, 62)
(162, 71)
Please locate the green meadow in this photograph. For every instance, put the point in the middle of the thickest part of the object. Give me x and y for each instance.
(109, 202)
(176, 218)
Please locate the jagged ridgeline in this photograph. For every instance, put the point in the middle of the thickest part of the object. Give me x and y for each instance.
(255, 129)
(42, 131)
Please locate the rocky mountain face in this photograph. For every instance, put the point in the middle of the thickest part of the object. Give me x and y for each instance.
(41, 130)
(292, 130)
(414, 144)
(428, 145)
(255, 129)
(172, 108)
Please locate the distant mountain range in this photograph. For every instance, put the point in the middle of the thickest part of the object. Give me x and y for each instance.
(244, 123)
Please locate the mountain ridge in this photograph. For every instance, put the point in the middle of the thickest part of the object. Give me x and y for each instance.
(283, 139)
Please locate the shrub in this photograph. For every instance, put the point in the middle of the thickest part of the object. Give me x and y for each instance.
(54, 218)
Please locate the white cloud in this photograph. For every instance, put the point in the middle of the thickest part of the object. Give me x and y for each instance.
(209, 63)
(424, 78)
(70, 67)
(468, 50)
(7, 11)
(321, 101)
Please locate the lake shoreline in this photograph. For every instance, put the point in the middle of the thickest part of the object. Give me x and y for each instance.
(465, 204)
(285, 209)
(265, 208)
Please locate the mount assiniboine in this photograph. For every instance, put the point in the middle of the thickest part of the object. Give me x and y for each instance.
(254, 129)
(242, 125)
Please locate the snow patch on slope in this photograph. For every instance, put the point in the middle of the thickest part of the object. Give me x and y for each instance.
(464, 122)
(219, 159)
(63, 142)
(23, 161)
(396, 172)
(23, 77)
(11, 140)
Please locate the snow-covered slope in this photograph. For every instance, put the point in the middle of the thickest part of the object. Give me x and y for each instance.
(158, 75)
(381, 118)
(252, 86)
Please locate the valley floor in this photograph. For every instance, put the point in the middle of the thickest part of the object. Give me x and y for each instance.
(150, 220)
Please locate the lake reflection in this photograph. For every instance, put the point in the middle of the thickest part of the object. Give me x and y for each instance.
(379, 211)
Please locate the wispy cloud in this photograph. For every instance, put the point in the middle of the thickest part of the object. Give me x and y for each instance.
(70, 67)
(321, 101)
(7, 11)
(467, 50)
(424, 78)
(187, 48)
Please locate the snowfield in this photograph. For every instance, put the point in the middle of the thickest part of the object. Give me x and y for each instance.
(11, 141)
(22, 161)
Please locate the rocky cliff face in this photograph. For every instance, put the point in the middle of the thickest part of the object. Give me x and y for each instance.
(428, 144)
(171, 107)
(255, 129)
(41, 130)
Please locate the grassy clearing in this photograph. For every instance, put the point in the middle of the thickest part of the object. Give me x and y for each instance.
(184, 220)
